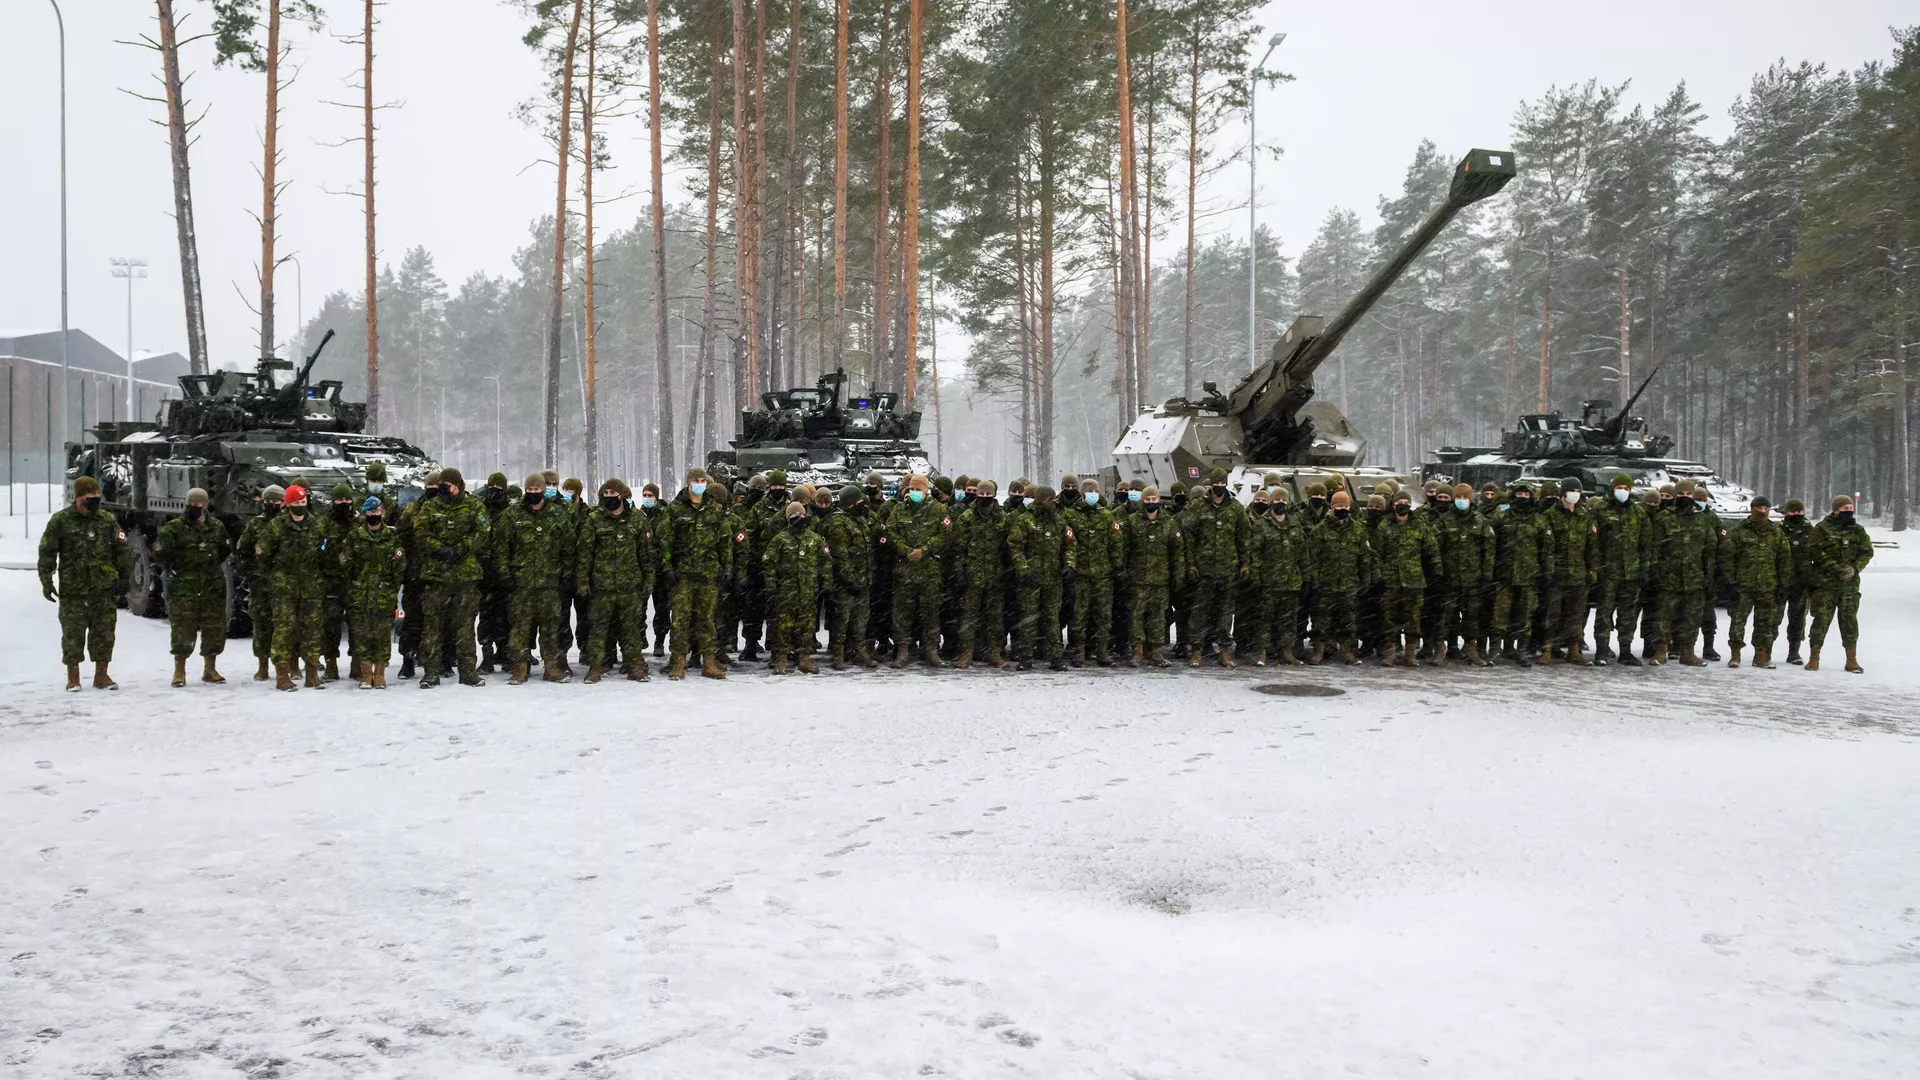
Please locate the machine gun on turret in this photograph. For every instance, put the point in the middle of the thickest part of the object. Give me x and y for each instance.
(815, 437)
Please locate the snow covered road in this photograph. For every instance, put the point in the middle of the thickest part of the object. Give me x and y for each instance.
(1452, 873)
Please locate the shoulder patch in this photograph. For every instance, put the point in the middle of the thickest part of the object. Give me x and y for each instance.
(1069, 532)
(739, 537)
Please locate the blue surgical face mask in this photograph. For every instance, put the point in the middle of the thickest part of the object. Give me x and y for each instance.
(1133, 496)
(1503, 506)
(566, 496)
(1092, 498)
(1461, 504)
(698, 487)
(646, 502)
(916, 496)
(376, 487)
(1621, 495)
(551, 492)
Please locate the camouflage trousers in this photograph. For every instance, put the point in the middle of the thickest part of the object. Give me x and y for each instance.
(1333, 616)
(86, 626)
(752, 610)
(202, 615)
(847, 611)
(1653, 629)
(1148, 615)
(575, 611)
(1766, 619)
(296, 625)
(1180, 598)
(1249, 614)
(1796, 610)
(983, 617)
(1092, 613)
(1429, 621)
(370, 632)
(534, 613)
(413, 602)
(1567, 612)
(451, 608)
(1513, 608)
(1680, 616)
(1616, 608)
(790, 626)
(496, 624)
(1825, 601)
(1460, 612)
(1039, 629)
(260, 614)
(333, 620)
(695, 603)
(662, 609)
(1279, 618)
(916, 607)
(617, 618)
(1369, 611)
(1213, 611)
(1401, 609)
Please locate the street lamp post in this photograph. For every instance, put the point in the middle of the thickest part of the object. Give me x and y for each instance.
(65, 369)
(299, 307)
(1253, 202)
(497, 455)
(129, 268)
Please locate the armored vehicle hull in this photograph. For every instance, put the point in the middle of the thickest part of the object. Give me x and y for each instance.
(817, 439)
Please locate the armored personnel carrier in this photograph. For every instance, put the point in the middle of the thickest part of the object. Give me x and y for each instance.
(820, 440)
(235, 434)
(1601, 443)
(1271, 422)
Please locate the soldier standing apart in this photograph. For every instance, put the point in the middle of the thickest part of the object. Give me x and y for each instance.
(1756, 559)
(452, 535)
(1403, 546)
(1341, 559)
(980, 557)
(918, 531)
(259, 592)
(1041, 549)
(698, 563)
(526, 553)
(1799, 575)
(293, 552)
(333, 622)
(1156, 560)
(1841, 549)
(614, 572)
(85, 546)
(796, 565)
(1216, 535)
(193, 550)
(1575, 548)
(1096, 533)
(374, 567)
(1624, 536)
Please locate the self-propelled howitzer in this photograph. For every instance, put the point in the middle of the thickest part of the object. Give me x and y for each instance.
(1270, 422)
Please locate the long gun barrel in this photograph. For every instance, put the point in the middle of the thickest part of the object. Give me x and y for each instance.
(1618, 424)
(292, 390)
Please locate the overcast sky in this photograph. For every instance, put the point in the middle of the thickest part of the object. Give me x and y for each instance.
(458, 172)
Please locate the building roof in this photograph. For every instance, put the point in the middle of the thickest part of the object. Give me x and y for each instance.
(85, 353)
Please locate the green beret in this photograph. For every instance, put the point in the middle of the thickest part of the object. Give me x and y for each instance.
(342, 491)
(1316, 491)
(777, 478)
(1795, 506)
(850, 495)
(494, 480)
(1217, 476)
(944, 483)
(1179, 488)
(1621, 479)
(377, 471)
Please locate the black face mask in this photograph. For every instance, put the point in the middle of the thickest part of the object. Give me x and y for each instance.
(343, 512)
(446, 491)
(1015, 502)
(195, 513)
(1683, 505)
(1219, 492)
(610, 503)
(776, 496)
(818, 509)
(1317, 502)
(91, 502)
(268, 510)
(429, 493)
(1797, 519)
(1342, 513)
(374, 520)
(859, 508)
(1180, 501)
(1151, 508)
(797, 523)
(873, 494)
(1843, 517)
(297, 513)
(1401, 510)
(1521, 506)
(531, 500)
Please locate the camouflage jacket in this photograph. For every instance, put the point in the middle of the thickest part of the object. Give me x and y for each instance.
(1574, 546)
(528, 546)
(1626, 536)
(1840, 552)
(980, 544)
(1800, 537)
(1680, 562)
(89, 550)
(1707, 523)
(850, 537)
(194, 556)
(1754, 556)
(1216, 538)
(1402, 550)
(1096, 538)
(1522, 546)
(616, 554)
(244, 559)
(928, 528)
(295, 557)
(699, 542)
(450, 535)
(1278, 548)
(374, 566)
(1466, 547)
(1338, 553)
(1038, 543)
(797, 564)
(1156, 551)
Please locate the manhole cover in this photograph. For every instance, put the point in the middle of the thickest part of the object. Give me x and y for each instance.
(1298, 690)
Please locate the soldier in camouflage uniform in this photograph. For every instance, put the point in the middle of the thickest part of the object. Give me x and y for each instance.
(1156, 561)
(1279, 549)
(452, 535)
(1096, 535)
(193, 550)
(294, 553)
(1625, 534)
(528, 544)
(1216, 532)
(1404, 545)
(375, 565)
(574, 609)
(1370, 601)
(1755, 557)
(1799, 534)
(412, 589)
(1466, 567)
(1652, 634)
(259, 594)
(1841, 549)
(1711, 533)
(1041, 550)
(333, 622)
(697, 558)
(85, 546)
(1576, 549)
(918, 532)
(494, 622)
(1342, 561)
(1685, 574)
(656, 512)
(796, 564)
(614, 572)
(849, 533)
(1522, 546)
(765, 513)
(980, 555)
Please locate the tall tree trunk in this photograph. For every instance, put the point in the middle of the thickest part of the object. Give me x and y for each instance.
(373, 251)
(793, 240)
(1193, 184)
(743, 386)
(589, 389)
(662, 364)
(709, 303)
(756, 207)
(1048, 189)
(1902, 437)
(1626, 329)
(1546, 328)
(1024, 311)
(269, 192)
(840, 190)
(1143, 336)
(910, 226)
(1802, 377)
(556, 307)
(184, 228)
(882, 355)
(1126, 358)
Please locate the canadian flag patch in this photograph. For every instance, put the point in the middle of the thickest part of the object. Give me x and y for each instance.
(946, 523)
(739, 537)
(1069, 532)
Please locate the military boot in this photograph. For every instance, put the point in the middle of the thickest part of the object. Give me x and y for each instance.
(995, 658)
(1259, 658)
(1509, 648)
(1078, 657)
(931, 657)
(1194, 656)
(283, 677)
(260, 673)
(179, 671)
(839, 657)
(1793, 652)
(1853, 662)
(711, 667)
(1602, 653)
(806, 665)
(332, 669)
(406, 666)
(1577, 653)
(965, 659)
(1627, 659)
(519, 676)
(314, 681)
(1813, 659)
(556, 672)
(677, 668)
(1473, 654)
(1226, 656)
(1763, 657)
(751, 652)
(1545, 658)
(486, 659)
(1157, 656)
(472, 678)
(1690, 658)
(380, 675)
(1058, 664)
(366, 674)
(1707, 651)
(1139, 653)
(1287, 658)
(594, 671)
(1347, 652)
(1390, 651)
(1659, 655)
(637, 670)
(777, 663)
(1440, 653)
(1734, 660)
(864, 657)
(73, 678)
(209, 672)
(900, 656)
(1319, 653)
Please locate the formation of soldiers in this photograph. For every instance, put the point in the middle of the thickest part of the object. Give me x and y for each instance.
(514, 577)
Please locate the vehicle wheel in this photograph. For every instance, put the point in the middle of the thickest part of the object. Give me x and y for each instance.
(144, 595)
(239, 618)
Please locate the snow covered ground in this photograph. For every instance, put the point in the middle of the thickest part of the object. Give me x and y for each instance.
(1616, 873)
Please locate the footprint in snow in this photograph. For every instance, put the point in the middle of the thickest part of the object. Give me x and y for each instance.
(809, 1037)
(1016, 1037)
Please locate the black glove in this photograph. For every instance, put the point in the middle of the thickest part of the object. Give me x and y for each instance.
(47, 590)
(1029, 579)
(448, 554)
(1067, 575)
